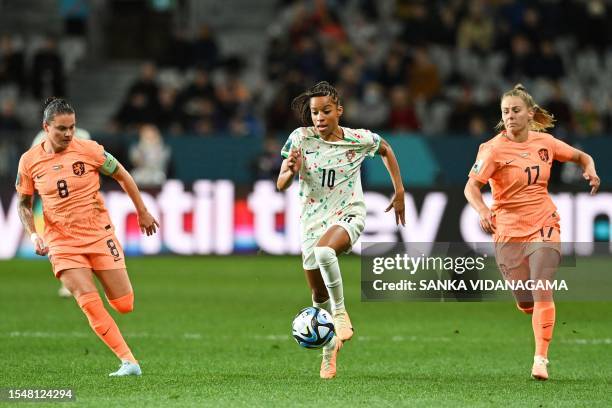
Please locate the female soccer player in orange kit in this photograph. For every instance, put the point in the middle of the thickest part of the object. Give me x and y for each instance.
(523, 218)
(79, 236)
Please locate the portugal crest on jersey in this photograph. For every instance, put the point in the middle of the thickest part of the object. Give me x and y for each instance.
(350, 155)
(543, 153)
(78, 168)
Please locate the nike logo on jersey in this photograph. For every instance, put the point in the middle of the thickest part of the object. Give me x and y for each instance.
(311, 152)
(510, 161)
(107, 330)
(39, 176)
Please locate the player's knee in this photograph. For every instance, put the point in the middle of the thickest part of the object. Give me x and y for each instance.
(525, 307)
(124, 304)
(325, 255)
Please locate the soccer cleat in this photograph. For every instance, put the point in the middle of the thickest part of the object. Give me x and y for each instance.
(328, 363)
(344, 328)
(127, 368)
(539, 370)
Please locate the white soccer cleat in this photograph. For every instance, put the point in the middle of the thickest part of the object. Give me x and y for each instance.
(127, 368)
(539, 370)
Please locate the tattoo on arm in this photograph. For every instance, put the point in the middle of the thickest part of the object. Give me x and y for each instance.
(25, 213)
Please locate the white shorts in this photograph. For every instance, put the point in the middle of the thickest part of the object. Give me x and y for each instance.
(354, 228)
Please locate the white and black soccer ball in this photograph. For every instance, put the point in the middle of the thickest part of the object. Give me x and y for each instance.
(313, 327)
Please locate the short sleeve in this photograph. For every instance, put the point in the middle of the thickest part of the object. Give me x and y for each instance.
(485, 165)
(562, 151)
(372, 143)
(102, 160)
(24, 183)
(293, 142)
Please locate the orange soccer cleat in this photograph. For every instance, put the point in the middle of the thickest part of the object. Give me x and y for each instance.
(344, 327)
(330, 354)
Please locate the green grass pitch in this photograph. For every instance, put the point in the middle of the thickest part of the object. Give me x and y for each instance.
(216, 330)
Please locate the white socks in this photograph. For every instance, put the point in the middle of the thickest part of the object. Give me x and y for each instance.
(330, 271)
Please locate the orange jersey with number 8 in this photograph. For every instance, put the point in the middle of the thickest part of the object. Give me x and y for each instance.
(68, 183)
(518, 174)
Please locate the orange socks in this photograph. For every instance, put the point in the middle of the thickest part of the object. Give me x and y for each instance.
(124, 304)
(543, 322)
(104, 325)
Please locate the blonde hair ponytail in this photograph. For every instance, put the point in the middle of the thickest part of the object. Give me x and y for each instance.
(542, 119)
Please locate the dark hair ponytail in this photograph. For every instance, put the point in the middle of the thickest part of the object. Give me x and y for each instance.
(301, 103)
(55, 106)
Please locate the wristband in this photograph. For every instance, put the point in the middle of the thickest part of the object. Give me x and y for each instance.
(33, 237)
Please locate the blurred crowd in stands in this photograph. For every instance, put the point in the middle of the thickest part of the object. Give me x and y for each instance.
(432, 67)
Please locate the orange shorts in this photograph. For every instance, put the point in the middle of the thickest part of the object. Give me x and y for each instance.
(101, 255)
(510, 252)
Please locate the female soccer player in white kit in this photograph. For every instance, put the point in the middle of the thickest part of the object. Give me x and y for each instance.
(327, 158)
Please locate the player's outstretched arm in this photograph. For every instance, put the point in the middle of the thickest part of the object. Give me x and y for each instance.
(397, 202)
(474, 197)
(148, 224)
(588, 169)
(27, 219)
(289, 168)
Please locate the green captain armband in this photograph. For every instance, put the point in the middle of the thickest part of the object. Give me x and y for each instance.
(110, 165)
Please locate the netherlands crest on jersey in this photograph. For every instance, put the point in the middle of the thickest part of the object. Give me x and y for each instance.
(78, 168)
(543, 153)
(350, 155)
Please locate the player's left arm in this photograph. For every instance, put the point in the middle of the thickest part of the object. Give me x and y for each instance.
(565, 152)
(148, 224)
(397, 202)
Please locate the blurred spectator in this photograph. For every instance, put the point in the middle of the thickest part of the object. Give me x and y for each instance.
(476, 29)
(402, 116)
(520, 61)
(463, 110)
(168, 116)
(48, 71)
(417, 21)
(150, 158)
(548, 64)
(9, 122)
(146, 83)
(12, 63)
(136, 111)
(477, 128)
(205, 49)
(371, 111)
(564, 122)
(178, 53)
(424, 81)
(232, 94)
(588, 120)
(267, 165)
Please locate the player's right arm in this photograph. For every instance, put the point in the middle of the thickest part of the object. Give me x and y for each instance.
(290, 166)
(27, 219)
(474, 197)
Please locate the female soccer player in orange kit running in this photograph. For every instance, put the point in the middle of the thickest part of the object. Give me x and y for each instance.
(79, 236)
(523, 218)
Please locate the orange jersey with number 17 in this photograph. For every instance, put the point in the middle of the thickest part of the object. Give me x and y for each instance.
(68, 184)
(518, 174)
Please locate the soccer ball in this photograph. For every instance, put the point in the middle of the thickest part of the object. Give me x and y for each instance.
(313, 327)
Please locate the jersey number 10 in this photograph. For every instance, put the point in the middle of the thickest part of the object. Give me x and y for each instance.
(330, 175)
